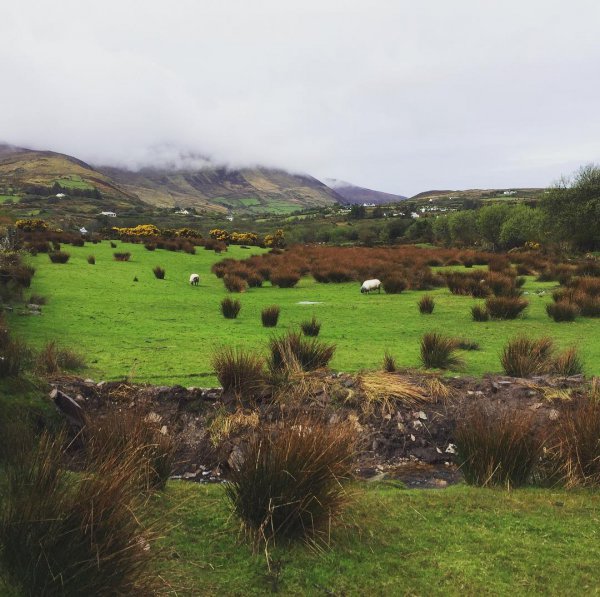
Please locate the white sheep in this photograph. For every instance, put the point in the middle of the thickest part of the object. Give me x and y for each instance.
(194, 279)
(369, 285)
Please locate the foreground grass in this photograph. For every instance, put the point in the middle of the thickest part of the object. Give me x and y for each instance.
(164, 331)
(460, 540)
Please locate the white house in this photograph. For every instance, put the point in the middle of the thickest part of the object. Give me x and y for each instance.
(230, 218)
(183, 212)
(83, 230)
(509, 193)
(110, 214)
(60, 195)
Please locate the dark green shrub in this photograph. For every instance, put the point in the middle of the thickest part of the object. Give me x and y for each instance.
(91, 260)
(270, 316)
(426, 305)
(289, 481)
(230, 308)
(122, 256)
(438, 351)
(497, 447)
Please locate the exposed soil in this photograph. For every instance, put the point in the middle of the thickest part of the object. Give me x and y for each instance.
(409, 441)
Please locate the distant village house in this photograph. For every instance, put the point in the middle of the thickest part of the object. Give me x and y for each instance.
(110, 214)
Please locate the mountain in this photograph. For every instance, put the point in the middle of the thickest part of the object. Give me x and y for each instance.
(248, 189)
(354, 194)
(214, 189)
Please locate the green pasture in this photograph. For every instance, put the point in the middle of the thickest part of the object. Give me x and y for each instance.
(459, 541)
(164, 331)
(74, 182)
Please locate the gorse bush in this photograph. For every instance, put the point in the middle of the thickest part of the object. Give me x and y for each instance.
(122, 256)
(497, 447)
(289, 482)
(59, 256)
(239, 371)
(293, 349)
(438, 351)
(505, 307)
(426, 305)
(159, 272)
(562, 311)
(68, 535)
(230, 308)
(311, 327)
(270, 316)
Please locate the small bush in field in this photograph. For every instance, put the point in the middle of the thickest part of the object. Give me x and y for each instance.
(254, 280)
(270, 316)
(389, 362)
(312, 327)
(394, 284)
(426, 305)
(150, 246)
(567, 362)
(159, 272)
(284, 279)
(466, 344)
(14, 355)
(122, 256)
(36, 299)
(294, 349)
(113, 245)
(230, 308)
(522, 356)
(497, 447)
(505, 307)
(59, 256)
(53, 359)
(234, 283)
(289, 482)
(479, 313)
(239, 371)
(562, 311)
(439, 352)
(91, 260)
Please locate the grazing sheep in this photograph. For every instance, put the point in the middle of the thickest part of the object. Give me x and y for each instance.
(194, 279)
(369, 285)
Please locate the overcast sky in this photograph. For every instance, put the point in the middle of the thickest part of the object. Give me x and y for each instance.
(400, 96)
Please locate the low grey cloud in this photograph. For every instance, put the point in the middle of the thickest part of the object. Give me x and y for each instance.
(394, 95)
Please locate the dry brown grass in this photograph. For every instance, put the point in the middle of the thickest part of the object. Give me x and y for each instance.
(386, 390)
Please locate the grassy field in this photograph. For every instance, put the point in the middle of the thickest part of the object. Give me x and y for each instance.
(163, 331)
(459, 541)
